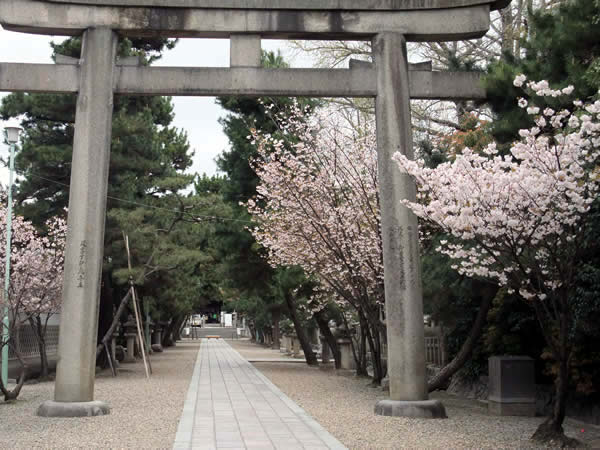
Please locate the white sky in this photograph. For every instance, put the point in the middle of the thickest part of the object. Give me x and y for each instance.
(198, 116)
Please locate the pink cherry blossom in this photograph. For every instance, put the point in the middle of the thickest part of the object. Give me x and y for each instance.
(517, 218)
(36, 266)
(318, 205)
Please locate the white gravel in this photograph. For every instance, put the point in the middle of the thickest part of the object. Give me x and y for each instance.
(344, 406)
(144, 413)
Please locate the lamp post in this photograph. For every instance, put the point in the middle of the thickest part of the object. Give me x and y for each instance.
(12, 137)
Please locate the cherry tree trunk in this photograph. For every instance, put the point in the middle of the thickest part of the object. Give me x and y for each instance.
(323, 324)
(11, 395)
(276, 335)
(40, 334)
(551, 432)
(311, 358)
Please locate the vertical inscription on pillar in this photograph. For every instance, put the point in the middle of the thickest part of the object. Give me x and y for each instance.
(81, 269)
(397, 249)
(412, 256)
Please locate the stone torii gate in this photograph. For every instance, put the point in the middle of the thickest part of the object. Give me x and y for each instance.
(99, 75)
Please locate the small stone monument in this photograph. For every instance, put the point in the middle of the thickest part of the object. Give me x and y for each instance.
(346, 357)
(344, 342)
(325, 350)
(511, 389)
(296, 347)
(288, 345)
(283, 344)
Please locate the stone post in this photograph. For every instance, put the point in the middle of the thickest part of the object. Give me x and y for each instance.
(157, 338)
(75, 371)
(295, 346)
(403, 290)
(325, 350)
(347, 362)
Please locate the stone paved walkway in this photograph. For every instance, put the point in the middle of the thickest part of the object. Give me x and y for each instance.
(230, 404)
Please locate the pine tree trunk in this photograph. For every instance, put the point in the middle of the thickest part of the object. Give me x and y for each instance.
(444, 375)
(120, 310)
(171, 332)
(106, 308)
(311, 358)
(276, 334)
(361, 369)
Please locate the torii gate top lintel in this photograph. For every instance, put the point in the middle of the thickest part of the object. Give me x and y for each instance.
(417, 20)
(347, 5)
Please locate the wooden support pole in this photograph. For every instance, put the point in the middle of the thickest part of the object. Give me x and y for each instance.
(135, 308)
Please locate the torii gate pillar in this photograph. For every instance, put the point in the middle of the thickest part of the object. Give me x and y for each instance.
(400, 236)
(75, 369)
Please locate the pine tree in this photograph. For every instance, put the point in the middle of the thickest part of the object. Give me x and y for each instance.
(148, 158)
(563, 47)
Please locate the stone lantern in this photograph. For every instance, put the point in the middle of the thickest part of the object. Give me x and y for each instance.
(325, 350)
(130, 334)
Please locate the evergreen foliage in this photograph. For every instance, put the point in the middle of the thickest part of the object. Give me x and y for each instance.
(148, 158)
(563, 47)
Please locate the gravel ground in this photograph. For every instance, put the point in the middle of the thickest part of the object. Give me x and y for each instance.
(144, 414)
(344, 406)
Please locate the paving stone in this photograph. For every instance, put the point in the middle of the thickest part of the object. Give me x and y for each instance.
(230, 404)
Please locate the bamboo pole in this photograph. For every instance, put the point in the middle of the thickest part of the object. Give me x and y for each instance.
(135, 309)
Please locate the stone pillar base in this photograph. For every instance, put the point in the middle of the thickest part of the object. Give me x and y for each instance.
(511, 409)
(385, 384)
(51, 408)
(424, 409)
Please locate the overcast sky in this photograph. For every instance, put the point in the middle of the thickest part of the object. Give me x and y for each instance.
(198, 116)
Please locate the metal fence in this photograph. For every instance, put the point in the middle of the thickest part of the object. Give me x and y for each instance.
(28, 344)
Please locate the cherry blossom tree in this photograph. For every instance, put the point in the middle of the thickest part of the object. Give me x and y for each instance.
(318, 208)
(518, 219)
(35, 283)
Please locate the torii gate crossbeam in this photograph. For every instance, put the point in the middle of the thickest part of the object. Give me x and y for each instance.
(98, 76)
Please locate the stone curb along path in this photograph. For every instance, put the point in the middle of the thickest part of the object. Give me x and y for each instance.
(230, 404)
